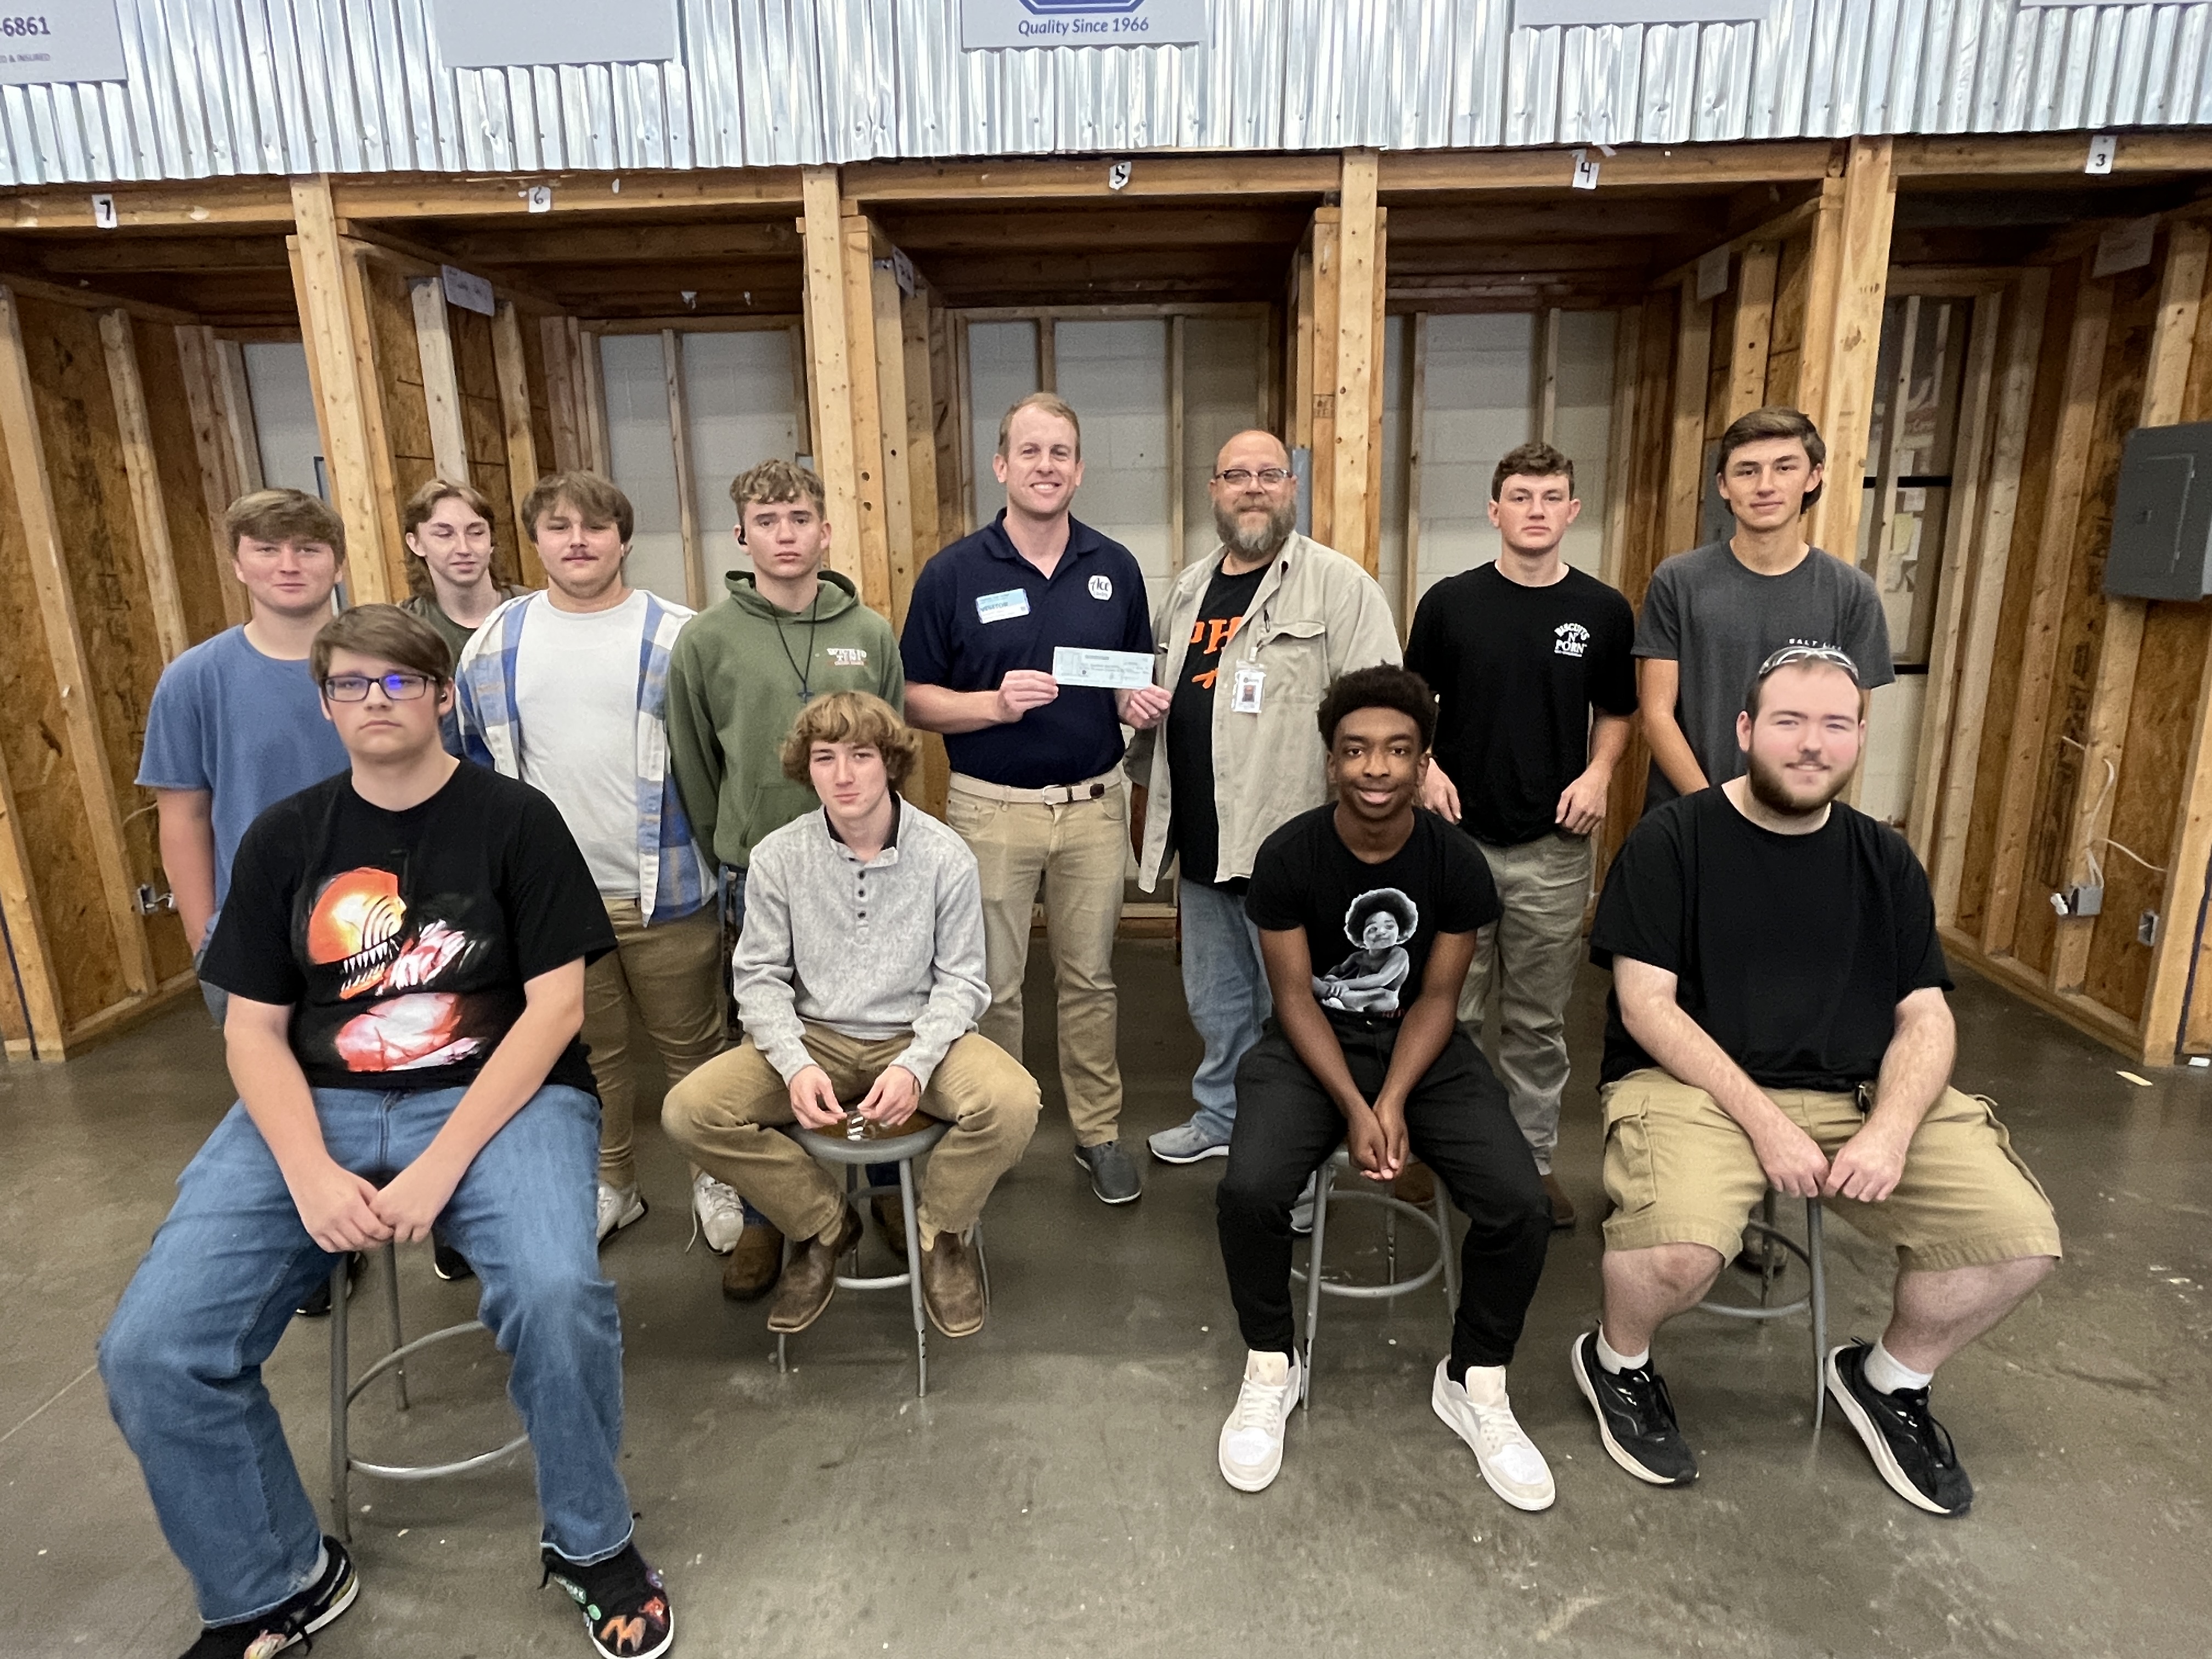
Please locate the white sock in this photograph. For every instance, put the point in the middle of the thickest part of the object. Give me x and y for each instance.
(1886, 1374)
(1617, 1362)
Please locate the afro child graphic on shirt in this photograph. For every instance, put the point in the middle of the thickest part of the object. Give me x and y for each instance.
(1368, 981)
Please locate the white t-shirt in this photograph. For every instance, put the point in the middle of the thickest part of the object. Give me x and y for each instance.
(575, 697)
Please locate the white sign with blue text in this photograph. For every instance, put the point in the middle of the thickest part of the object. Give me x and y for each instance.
(988, 24)
(52, 41)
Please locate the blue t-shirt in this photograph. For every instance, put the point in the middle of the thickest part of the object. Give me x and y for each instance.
(980, 609)
(247, 728)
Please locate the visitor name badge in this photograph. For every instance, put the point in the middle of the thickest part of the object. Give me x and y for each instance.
(1244, 692)
(1002, 607)
(1075, 664)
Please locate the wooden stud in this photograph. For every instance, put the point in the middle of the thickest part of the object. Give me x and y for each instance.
(871, 528)
(1544, 422)
(1376, 324)
(1016, 179)
(679, 445)
(1621, 442)
(1754, 330)
(382, 536)
(1886, 464)
(829, 351)
(442, 384)
(1686, 449)
(1976, 157)
(693, 322)
(1324, 332)
(1356, 350)
(1047, 353)
(1848, 350)
(802, 398)
(965, 422)
(1712, 166)
(1996, 489)
(563, 396)
(327, 283)
(1417, 411)
(2030, 696)
(591, 377)
(945, 416)
(1178, 462)
(2181, 294)
(924, 511)
(1299, 321)
(209, 402)
(27, 462)
(27, 956)
(148, 509)
(523, 470)
(887, 330)
(235, 394)
(591, 195)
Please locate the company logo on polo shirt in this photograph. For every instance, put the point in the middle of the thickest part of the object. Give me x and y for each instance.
(1102, 587)
(848, 656)
(1570, 640)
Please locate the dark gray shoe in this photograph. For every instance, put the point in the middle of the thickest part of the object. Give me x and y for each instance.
(1113, 1172)
(1635, 1416)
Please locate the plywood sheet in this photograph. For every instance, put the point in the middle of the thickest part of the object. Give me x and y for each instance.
(176, 461)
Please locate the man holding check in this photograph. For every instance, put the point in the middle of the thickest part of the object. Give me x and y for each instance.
(1018, 647)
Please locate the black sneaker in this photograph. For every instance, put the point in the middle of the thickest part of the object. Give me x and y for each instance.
(448, 1263)
(1635, 1416)
(626, 1610)
(290, 1623)
(316, 1303)
(1909, 1449)
(1113, 1172)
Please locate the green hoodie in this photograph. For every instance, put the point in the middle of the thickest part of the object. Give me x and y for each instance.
(734, 692)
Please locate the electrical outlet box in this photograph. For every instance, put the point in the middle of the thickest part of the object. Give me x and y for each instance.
(2147, 927)
(2162, 516)
(2082, 901)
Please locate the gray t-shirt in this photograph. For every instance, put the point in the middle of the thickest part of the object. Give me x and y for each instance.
(1719, 621)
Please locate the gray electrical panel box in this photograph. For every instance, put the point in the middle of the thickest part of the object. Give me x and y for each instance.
(2162, 517)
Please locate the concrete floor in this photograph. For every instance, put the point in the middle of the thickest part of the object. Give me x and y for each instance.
(1056, 1493)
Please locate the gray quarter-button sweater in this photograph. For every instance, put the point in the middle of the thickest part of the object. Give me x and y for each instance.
(873, 950)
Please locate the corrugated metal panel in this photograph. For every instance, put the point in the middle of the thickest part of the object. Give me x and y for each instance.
(348, 86)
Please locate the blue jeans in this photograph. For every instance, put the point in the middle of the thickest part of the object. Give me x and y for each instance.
(182, 1357)
(217, 998)
(1226, 987)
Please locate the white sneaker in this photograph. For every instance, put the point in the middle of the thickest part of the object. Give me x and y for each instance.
(1479, 1413)
(719, 1212)
(618, 1208)
(1251, 1449)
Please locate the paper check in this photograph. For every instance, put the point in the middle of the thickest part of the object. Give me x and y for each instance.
(1076, 666)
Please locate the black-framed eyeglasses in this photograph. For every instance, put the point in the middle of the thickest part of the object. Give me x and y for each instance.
(1237, 477)
(354, 687)
(1798, 653)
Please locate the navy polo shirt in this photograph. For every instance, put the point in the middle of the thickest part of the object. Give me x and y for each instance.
(1094, 597)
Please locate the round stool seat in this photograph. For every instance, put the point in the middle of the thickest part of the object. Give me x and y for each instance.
(876, 1143)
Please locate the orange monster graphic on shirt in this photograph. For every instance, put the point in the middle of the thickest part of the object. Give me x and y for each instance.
(360, 925)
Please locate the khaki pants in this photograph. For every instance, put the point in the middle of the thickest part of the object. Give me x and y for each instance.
(1077, 852)
(1528, 956)
(726, 1115)
(672, 974)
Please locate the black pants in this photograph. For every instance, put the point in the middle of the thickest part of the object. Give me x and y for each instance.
(1460, 1126)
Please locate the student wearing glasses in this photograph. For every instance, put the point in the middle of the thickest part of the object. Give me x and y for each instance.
(404, 946)
(1778, 1021)
(1249, 637)
(567, 691)
(1711, 614)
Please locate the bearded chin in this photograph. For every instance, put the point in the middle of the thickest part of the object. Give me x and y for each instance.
(1263, 539)
(1771, 790)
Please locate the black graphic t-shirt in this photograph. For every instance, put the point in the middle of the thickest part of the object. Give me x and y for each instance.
(1369, 926)
(1790, 952)
(1196, 829)
(403, 940)
(1516, 672)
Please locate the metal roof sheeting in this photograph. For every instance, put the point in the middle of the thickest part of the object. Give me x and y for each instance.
(356, 86)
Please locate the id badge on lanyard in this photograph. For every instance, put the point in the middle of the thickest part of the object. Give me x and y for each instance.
(1245, 691)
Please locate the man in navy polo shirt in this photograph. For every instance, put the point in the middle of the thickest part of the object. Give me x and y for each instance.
(1036, 788)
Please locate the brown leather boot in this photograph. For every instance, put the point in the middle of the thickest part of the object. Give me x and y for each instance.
(1416, 1184)
(810, 1279)
(1563, 1208)
(754, 1265)
(890, 1216)
(953, 1285)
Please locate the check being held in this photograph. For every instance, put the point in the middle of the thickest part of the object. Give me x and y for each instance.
(1073, 665)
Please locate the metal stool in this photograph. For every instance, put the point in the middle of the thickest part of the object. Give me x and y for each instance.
(343, 1392)
(1773, 1244)
(1437, 1219)
(874, 1144)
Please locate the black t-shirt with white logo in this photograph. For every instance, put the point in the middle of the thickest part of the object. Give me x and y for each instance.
(1369, 927)
(402, 941)
(1516, 672)
(1790, 952)
(1197, 827)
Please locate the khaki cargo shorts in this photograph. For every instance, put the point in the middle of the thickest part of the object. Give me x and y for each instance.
(1679, 1170)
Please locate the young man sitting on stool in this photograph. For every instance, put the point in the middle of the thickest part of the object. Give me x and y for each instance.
(1778, 1021)
(1368, 911)
(404, 945)
(860, 977)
